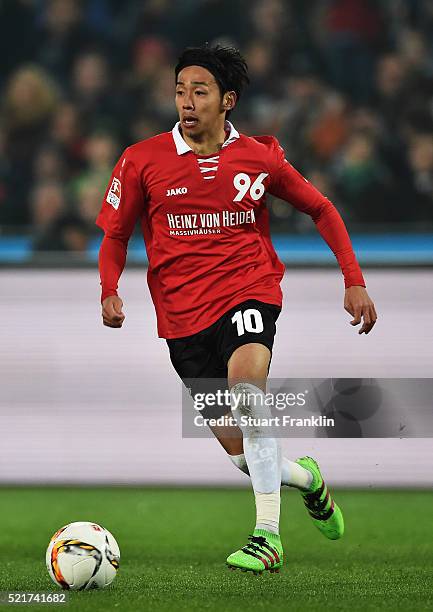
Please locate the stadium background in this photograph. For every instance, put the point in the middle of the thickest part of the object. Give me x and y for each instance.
(346, 85)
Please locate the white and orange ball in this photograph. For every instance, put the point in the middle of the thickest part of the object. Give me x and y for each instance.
(83, 556)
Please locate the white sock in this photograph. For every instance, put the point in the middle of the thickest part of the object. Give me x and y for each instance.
(292, 474)
(268, 511)
(262, 454)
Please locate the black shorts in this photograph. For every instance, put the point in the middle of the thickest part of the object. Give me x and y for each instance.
(205, 355)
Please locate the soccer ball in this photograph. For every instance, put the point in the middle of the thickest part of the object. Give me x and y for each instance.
(82, 556)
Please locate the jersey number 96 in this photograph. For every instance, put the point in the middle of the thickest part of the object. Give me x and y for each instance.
(242, 183)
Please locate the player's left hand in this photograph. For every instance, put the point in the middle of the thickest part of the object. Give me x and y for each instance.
(358, 303)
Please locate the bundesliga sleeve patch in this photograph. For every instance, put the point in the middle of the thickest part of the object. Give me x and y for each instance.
(114, 193)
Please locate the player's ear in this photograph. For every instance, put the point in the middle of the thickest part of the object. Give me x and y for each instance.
(229, 100)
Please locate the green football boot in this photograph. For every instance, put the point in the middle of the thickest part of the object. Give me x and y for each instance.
(324, 512)
(263, 552)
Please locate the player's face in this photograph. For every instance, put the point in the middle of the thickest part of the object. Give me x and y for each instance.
(198, 101)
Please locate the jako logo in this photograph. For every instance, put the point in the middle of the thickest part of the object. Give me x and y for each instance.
(177, 191)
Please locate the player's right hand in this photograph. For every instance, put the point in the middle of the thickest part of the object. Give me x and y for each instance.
(112, 315)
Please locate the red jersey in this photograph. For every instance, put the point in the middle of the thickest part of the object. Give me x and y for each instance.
(206, 225)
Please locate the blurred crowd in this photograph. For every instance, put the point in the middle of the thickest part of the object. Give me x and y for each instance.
(346, 85)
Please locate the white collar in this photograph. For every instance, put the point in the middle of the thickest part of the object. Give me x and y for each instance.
(182, 147)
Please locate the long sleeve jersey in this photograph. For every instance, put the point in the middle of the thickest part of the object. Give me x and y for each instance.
(205, 225)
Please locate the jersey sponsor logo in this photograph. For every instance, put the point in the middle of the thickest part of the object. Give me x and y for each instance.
(176, 191)
(207, 223)
(114, 193)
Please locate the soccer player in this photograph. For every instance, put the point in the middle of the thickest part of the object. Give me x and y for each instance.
(214, 277)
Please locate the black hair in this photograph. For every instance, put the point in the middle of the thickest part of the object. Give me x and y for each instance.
(225, 63)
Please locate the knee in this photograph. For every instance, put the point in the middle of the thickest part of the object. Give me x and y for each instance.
(249, 362)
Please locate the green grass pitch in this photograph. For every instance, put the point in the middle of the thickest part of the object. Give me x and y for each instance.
(174, 543)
